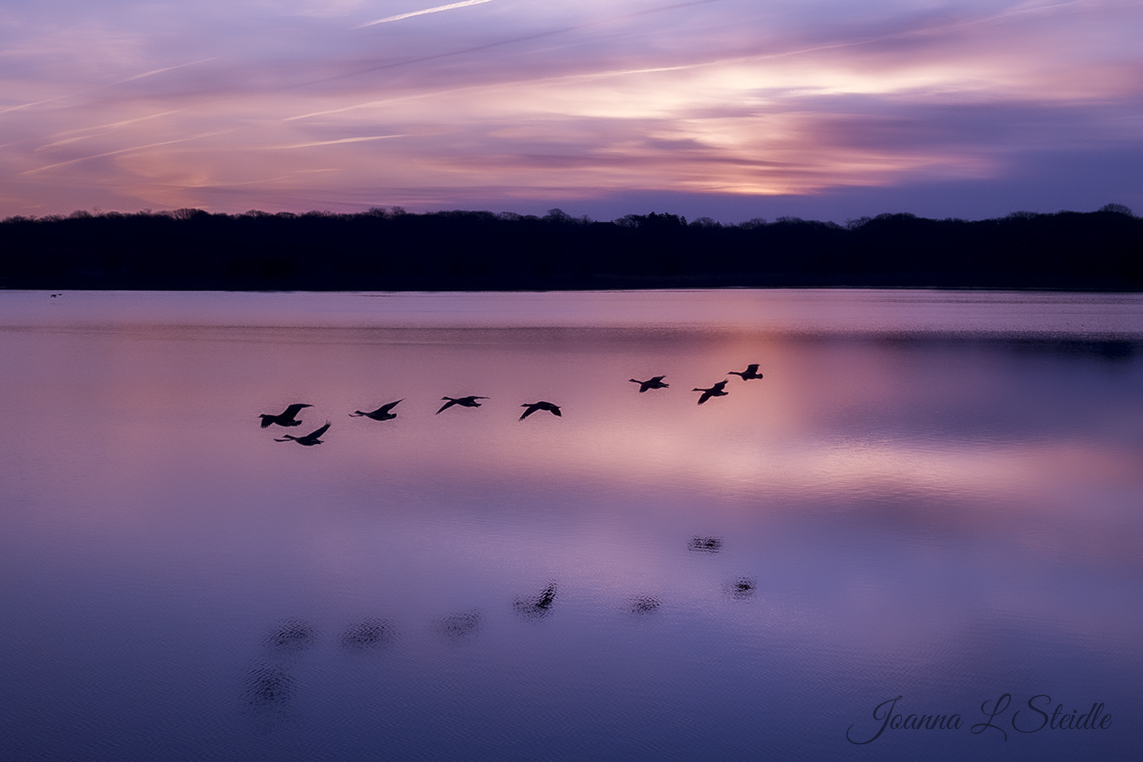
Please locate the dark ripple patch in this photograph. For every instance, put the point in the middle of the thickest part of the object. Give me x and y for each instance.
(643, 605)
(268, 688)
(742, 588)
(294, 636)
(705, 544)
(459, 627)
(369, 634)
(538, 607)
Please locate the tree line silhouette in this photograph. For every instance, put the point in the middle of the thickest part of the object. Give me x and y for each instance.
(391, 250)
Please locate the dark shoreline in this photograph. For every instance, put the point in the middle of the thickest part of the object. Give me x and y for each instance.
(480, 251)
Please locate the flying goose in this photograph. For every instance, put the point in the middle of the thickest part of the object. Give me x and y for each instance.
(470, 401)
(287, 418)
(714, 391)
(751, 372)
(309, 440)
(380, 414)
(654, 383)
(541, 405)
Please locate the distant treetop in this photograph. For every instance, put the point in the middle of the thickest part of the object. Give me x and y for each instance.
(393, 250)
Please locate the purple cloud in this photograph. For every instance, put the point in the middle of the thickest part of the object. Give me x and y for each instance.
(715, 105)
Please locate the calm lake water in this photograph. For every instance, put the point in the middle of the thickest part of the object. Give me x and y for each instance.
(937, 496)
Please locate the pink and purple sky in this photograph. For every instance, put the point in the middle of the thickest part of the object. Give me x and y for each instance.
(731, 109)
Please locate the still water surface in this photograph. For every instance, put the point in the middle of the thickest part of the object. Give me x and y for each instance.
(929, 495)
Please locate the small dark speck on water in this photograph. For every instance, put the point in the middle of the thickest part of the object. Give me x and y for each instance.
(371, 633)
(293, 636)
(459, 627)
(539, 606)
(644, 604)
(705, 544)
(742, 588)
(268, 687)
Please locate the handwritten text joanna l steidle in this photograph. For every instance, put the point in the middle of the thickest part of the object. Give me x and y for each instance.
(1038, 716)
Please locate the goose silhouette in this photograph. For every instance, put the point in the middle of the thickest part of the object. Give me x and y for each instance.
(309, 440)
(380, 414)
(285, 418)
(714, 391)
(751, 372)
(654, 383)
(541, 405)
(470, 401)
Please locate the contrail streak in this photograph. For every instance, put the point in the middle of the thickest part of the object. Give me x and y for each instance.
(107, 127)
(526, 38)
(437, 9)
(335, 142)
(151, 73)
(751, 57)
(124, 150)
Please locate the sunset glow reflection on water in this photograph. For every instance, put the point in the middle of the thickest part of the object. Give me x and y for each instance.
(933, 495)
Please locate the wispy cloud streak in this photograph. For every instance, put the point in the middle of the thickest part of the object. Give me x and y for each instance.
(410, 15)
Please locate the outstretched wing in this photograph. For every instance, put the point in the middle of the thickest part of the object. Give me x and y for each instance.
(531, 409)
(719, 387)
(752, 369)
(390, 406)
(447, 405)
(317, 433)
(293, 410)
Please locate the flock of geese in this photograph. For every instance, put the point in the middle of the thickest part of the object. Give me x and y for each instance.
(270, 687)
(289, 417)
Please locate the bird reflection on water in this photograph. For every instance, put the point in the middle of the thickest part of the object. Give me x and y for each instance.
(369, 634)
(293, 636)
(643, 605)
(538, 607)
(461, 627)
(742, 588)
(268, 688)
(705, 544)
